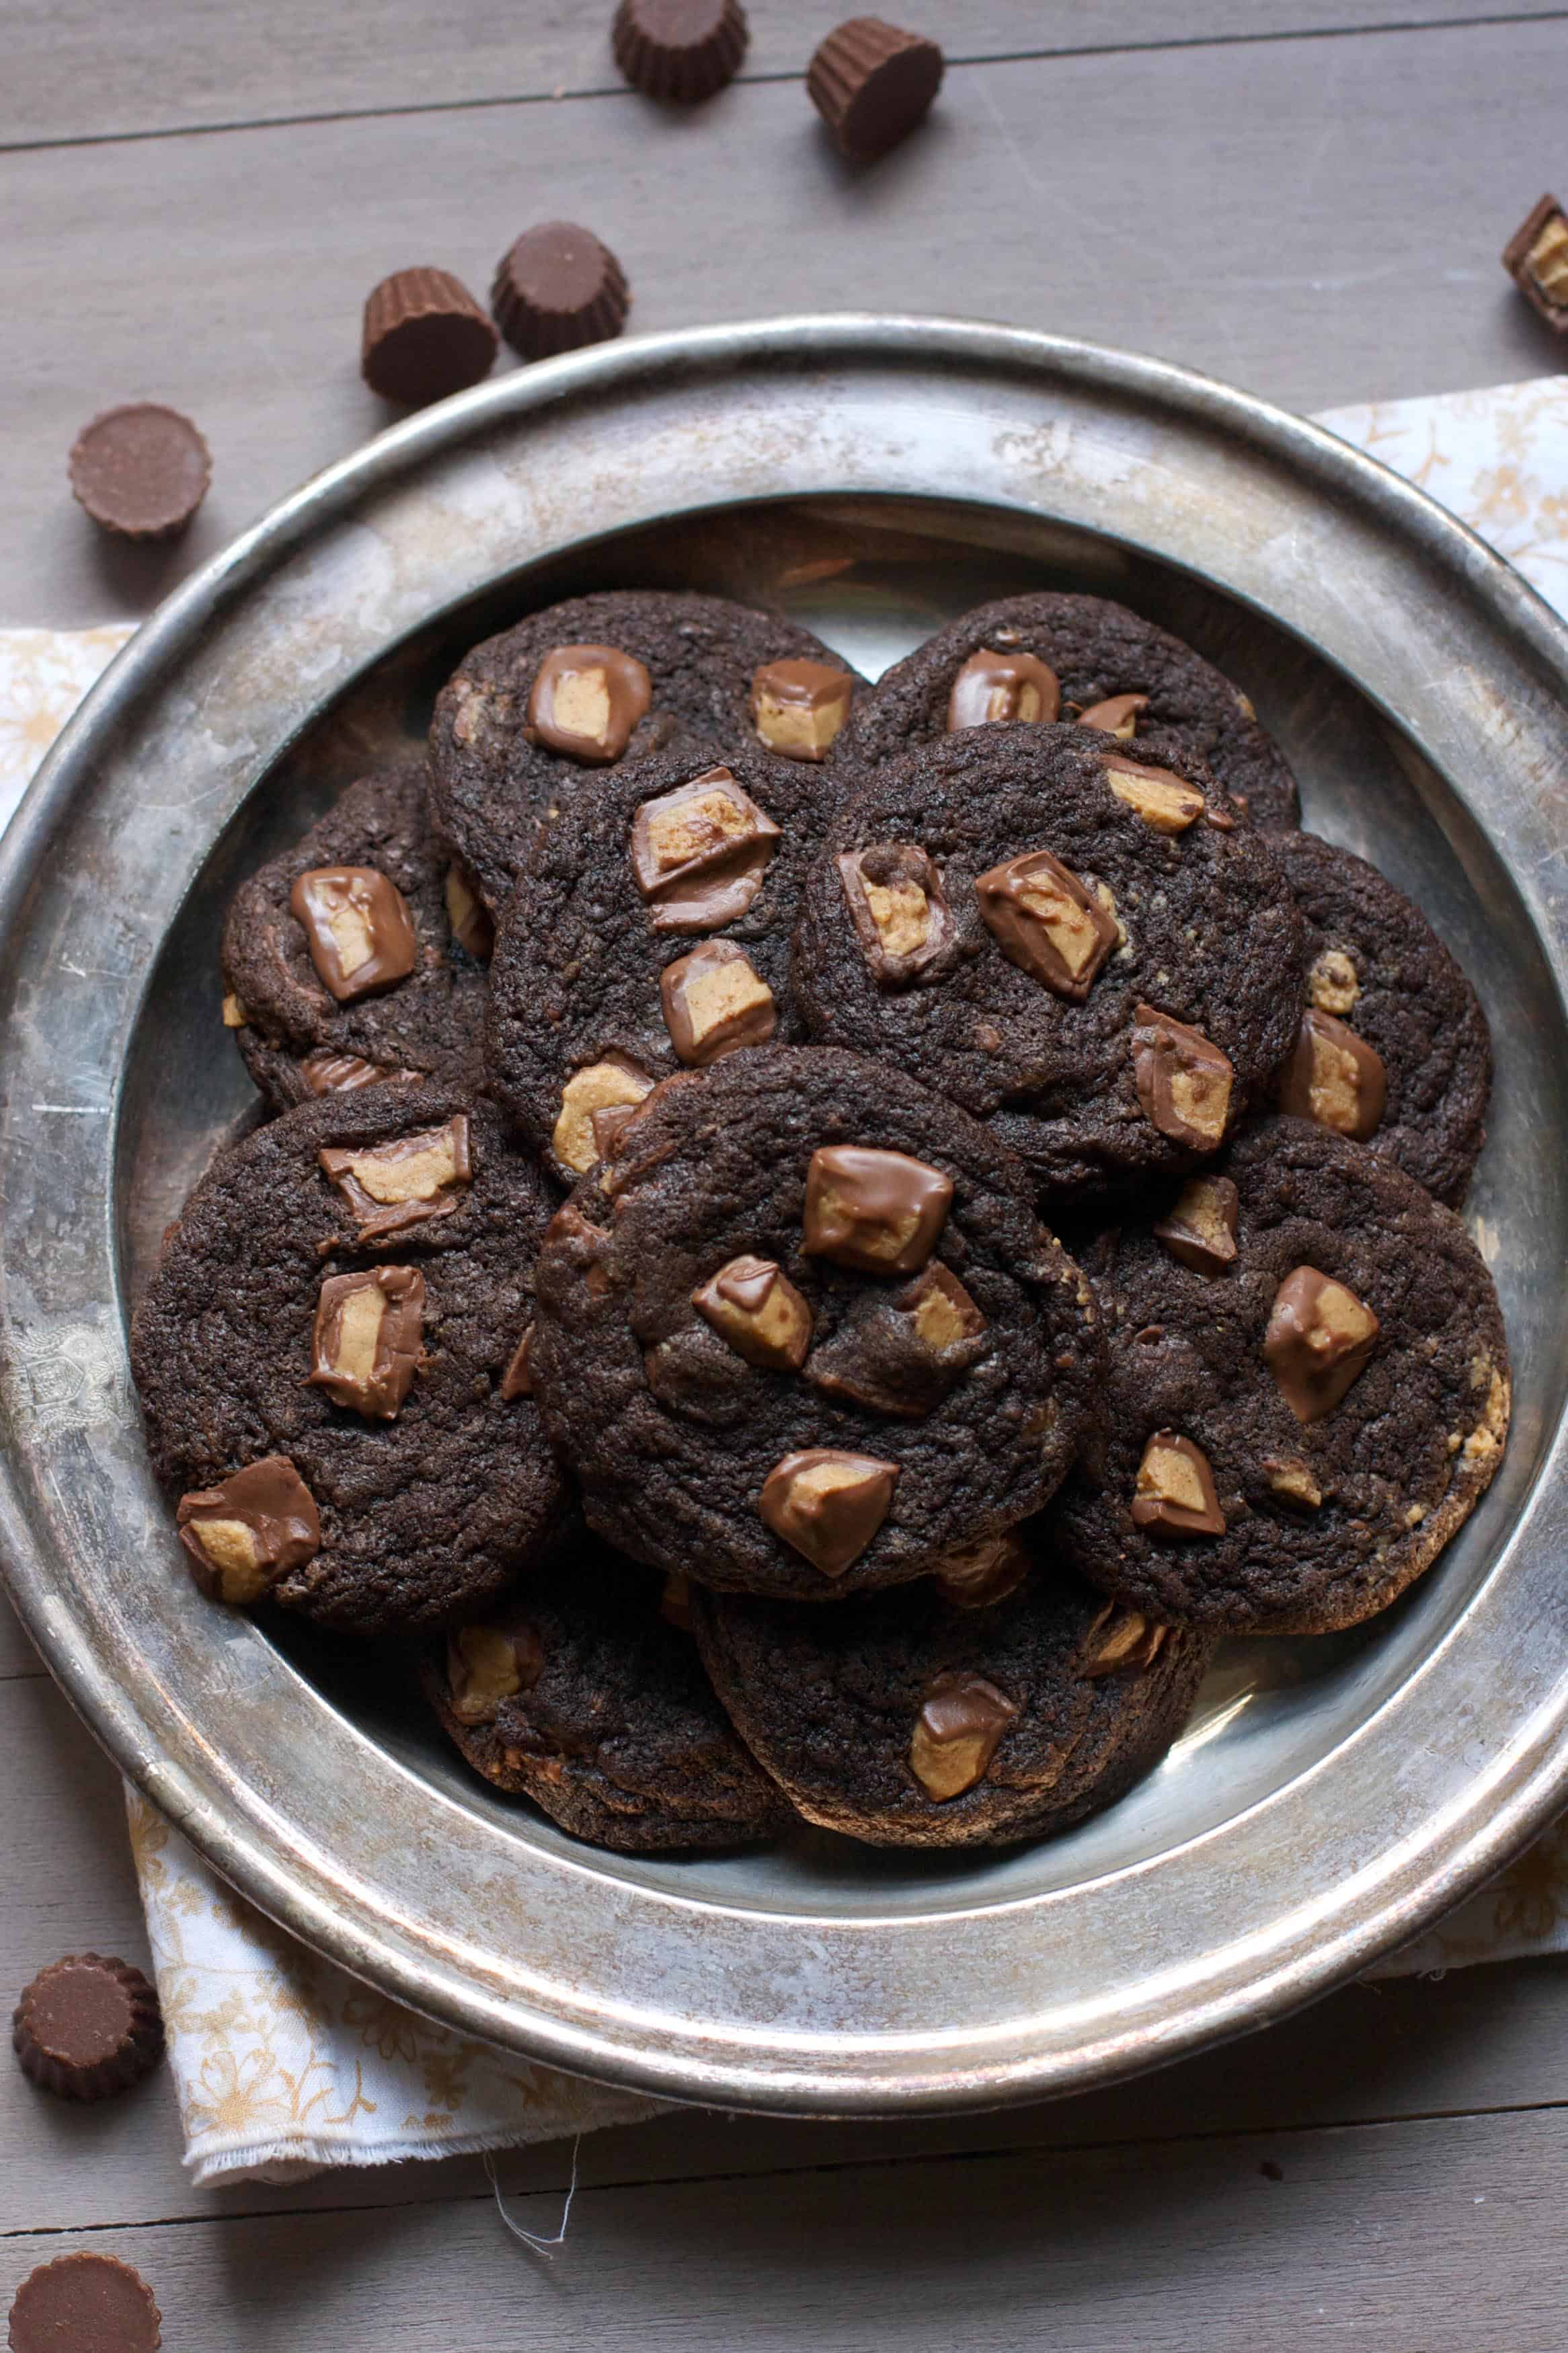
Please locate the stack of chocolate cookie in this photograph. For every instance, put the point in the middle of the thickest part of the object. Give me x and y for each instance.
(648, 1299)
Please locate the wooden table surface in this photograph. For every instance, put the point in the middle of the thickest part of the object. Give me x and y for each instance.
(1307, 196)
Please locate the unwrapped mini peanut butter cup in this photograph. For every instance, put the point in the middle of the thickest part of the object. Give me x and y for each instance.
(872, 83)
(557, 289)
(84, 2304)
(425, 337)
(680, 50)
(87, 2027)
(140, 472)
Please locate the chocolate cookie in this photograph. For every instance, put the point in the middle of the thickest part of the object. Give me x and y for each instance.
(804, 1333)
(329, 1361)
(1057, 655)
(1393, 1048)
(970, 1713)
(527, 718)
(651, 931)
(359, 953)
(1309, 1391)
(1084, 950)
(583, 1690)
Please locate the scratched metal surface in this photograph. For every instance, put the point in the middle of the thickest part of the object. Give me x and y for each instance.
(874, 476)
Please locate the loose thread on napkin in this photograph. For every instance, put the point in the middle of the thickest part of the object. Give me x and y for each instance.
(540, 2246)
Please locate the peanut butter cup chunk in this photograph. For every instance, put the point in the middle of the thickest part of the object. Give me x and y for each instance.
(1293, 1433)
(927, 1717)
(802, 1334)
(87, 2027)
(559, 287)
(651, 934)
(1107, 994)
(873, 84)
(1393, 1047)
(678, 669)
(343, 956)
(327, 1362)
(140, 472)
(1115, 672)
(680, 50)
(584, 1693)
(425, 337)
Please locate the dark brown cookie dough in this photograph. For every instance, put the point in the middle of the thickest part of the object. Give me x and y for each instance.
(494, 780)
(1097, 650)
(299, 1040)
(1324, 1520)
(1375, 966)
(582, 1692)
(910, 1719)
(588, 970)
(435, 1490)
(1197, 927)
(881, 1419)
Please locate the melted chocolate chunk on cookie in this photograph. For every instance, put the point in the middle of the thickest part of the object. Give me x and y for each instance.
(532, 723)
(350, 1438)
(1293, 1439)
(803, 1333)
(1393, 1047)
(935, 1718)
(993, 686)
(1110, 667)
(245, 1533)
(799, 707)
(587, 702)
(582, 1693)
(343, 960)
(1108, 993)
(651, 934)
(899, 908)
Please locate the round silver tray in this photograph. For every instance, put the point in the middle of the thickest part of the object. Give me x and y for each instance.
(872, 475)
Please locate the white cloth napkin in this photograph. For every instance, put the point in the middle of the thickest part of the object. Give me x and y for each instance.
(279, 2060)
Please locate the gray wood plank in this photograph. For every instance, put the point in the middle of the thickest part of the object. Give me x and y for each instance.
(1481, 2039)
(75, 69)
(1287, 215)
(17, 1656)
(1440, 2237)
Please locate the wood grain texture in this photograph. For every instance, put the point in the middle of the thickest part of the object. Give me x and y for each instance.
(1277, 213)
(75, 69)
(17, 1656)
(1441, 2237)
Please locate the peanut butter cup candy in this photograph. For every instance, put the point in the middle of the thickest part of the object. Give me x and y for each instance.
(93, 2302)
(530, 721)
(1080, 658)
(1089, 952)
(358, 955)
(651, 934)
(802, 1334)
(87, 2027)
(583, 1690)
(1392, 1050)
(681, 50)
(425, 337)
(1004, 1700)
(557, 289)
(1309, 1391)
(872, 84)
(140, 472)
(328, 1358)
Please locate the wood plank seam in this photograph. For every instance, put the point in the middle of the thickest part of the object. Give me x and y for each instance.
(1012, 2152)
(617, 89)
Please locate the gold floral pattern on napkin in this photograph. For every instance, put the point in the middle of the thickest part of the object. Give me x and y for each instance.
(281, 2061)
